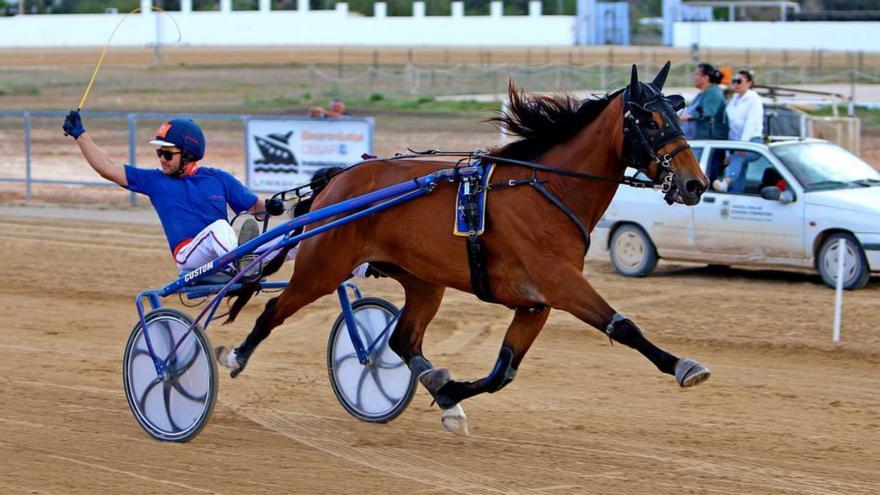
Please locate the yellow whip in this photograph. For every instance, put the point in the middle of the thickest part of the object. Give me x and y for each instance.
(85, 95)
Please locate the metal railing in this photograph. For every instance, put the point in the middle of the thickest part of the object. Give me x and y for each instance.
(732, 6)
(131, 118)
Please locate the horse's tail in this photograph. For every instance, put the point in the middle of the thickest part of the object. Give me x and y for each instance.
(320, 179)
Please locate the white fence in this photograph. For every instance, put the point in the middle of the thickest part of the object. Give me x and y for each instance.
(300, 27)
(843, 36)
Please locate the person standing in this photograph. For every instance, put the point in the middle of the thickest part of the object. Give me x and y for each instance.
(704, 118)
(745, 120)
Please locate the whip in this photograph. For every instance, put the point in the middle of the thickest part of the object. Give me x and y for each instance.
(85, 95)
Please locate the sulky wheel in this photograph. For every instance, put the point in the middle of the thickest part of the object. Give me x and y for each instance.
(175, 406)
(380, 390)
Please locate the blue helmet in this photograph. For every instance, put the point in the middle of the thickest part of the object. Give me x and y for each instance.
(183, 133)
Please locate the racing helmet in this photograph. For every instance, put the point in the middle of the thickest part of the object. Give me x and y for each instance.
(183, 133)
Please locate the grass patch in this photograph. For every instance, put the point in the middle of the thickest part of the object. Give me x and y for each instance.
(870, 117)
(362, 105)
(20, 90)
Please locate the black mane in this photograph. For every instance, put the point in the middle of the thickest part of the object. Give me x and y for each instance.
(542, 122)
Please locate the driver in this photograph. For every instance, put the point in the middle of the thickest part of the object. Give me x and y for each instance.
(190, 200)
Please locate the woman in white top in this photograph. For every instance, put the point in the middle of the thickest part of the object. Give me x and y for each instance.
(745, 121)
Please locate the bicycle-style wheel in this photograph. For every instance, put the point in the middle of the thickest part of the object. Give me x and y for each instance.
(380, 390)
(176, 406)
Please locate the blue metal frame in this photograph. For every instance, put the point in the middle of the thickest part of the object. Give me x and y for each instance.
(352, 209)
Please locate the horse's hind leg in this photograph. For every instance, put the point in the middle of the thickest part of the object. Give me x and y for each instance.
(313, 277)
(522, 332)
(422, 301)
(525, 327)
(575, 295)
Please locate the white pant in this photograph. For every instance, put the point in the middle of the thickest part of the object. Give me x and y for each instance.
(213, 241)
(219, 238)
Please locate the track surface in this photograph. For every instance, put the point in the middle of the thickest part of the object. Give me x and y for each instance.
(785, 412)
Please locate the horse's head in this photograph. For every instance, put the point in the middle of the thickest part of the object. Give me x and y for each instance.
(654, 142)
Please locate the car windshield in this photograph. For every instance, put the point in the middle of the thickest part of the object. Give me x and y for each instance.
(820, 166)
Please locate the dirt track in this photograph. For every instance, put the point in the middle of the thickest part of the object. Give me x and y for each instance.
(785, 412)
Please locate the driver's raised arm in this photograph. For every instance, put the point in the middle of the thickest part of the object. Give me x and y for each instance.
(97, 158)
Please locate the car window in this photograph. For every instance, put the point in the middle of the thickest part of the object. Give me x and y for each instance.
(820, 165)
(761, 174)
(754, 166)
(755, 172)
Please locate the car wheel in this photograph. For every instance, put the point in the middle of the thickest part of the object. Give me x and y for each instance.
(855, 266)
(632, 252)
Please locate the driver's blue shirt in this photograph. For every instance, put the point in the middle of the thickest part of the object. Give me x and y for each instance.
(188, 204)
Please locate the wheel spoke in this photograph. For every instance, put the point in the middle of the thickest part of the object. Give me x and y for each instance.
(364, 372)
(166, 395)
(338, 362)
(176, 385)
(142, 401)
(375, 375)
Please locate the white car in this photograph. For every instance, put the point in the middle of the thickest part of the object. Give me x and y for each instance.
(801, 197)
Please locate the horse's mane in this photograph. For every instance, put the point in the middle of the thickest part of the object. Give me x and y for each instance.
(542, 122)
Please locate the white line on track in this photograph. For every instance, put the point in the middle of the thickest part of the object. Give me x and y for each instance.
(81, 244)
(85, 230)
(94, 465)
(324, 436)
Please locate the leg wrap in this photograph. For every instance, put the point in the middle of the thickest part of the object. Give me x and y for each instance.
(623, 330)
(419, 365)
(260, 332)
(503, 372)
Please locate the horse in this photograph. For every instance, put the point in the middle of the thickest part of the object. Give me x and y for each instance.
(534, 243)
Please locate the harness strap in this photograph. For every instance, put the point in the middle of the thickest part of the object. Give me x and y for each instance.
(559, 204)
(478, 261)
(513, 183)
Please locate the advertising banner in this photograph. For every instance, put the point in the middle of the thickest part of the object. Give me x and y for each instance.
(281, 153)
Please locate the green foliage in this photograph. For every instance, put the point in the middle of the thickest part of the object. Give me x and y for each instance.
(360, 105)
(870, 117)
(19, 90)
(442, 7)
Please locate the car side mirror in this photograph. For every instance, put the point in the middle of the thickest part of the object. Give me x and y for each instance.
(771, 193)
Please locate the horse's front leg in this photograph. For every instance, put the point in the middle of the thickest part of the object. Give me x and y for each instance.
(575, 295)
(525, 327)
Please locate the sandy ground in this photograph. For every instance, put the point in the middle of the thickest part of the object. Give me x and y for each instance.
(785, 412)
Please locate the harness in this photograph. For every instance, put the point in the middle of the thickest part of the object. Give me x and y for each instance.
(641, 147)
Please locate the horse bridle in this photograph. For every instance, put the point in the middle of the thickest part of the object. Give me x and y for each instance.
(641, 148)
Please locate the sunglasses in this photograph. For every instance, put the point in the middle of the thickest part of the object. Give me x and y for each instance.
(167, 155)
(738, 80)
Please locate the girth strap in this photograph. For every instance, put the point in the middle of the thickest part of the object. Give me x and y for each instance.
(476, 249)
(565, 209)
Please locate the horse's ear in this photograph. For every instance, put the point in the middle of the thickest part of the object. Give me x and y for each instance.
(660, 78)
(634, 84)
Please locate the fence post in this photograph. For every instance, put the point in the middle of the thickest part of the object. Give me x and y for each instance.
(132, 150)
(27, 156)
(838, 290)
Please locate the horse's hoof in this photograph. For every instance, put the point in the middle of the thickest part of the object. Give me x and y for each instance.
(455, 421)
(229, 358)
(689, 372)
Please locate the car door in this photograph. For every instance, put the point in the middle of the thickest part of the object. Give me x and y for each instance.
(744, 227)
(670, 227)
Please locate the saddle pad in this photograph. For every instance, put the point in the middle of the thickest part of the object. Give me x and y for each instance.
(461, 227)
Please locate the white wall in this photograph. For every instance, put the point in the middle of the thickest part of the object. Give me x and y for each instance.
(779, 35)
(285, 28)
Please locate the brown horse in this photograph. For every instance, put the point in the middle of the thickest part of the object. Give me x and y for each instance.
(535, 251)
